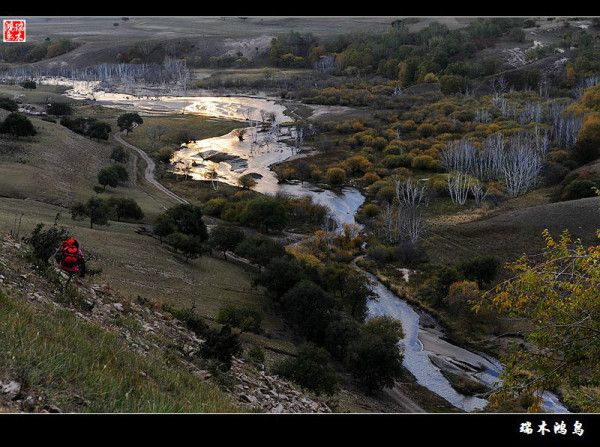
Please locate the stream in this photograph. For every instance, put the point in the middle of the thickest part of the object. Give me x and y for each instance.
(225, 158)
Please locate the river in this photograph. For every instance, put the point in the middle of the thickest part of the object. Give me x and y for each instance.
(263, 146)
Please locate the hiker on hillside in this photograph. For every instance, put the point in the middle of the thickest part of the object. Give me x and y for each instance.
(70, 257)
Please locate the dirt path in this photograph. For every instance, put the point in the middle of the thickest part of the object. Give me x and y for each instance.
(149, 171)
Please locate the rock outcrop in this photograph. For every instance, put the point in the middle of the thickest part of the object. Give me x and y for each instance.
(98, 304)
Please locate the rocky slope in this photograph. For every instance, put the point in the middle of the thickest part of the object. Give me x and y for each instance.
(147, 328)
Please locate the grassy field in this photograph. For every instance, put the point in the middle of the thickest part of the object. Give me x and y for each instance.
(57, 355)
(510, 233)
(65, 165)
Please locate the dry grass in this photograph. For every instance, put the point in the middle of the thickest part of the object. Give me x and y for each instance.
(55, 354)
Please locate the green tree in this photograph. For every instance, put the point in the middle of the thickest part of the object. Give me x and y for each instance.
(108, 177)
(280, 275)
(17, 125)
(374, 357)
(482, 269)
(96, 209)
(247, 181)
(128, 121)
(226, 238)
(311, 369)
(189, 245)
(259, 250)
(98, 130)
(339, 334)
(265, 213)
(8, 104)
(59, 108)
(164, 226)
(119, 154)
(187, 219)
(308, 308)
(350, 286)
(124, 208)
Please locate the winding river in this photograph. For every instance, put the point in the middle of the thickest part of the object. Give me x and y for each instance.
(227, 157)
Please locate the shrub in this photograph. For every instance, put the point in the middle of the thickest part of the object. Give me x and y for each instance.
(8, 104)
(119, 154)
(246, 319)
(45, 242)
(482, 269)
(370, 210)
(221, 345)
(28, 84)
(579, 189)
(311, 369)
(256, 355)
(462, 293)
(59, 108)
(17, 125)
(214, 207)
(426, 130)
(336, 176)
(424, 162)
(165, 154)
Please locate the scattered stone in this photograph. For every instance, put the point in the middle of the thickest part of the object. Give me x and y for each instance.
(11, 389)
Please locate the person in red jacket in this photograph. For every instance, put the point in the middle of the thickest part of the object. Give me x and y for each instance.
(70, 257)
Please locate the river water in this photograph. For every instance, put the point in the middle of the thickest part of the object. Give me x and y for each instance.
(261, 148)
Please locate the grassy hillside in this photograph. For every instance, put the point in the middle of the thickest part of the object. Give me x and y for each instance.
(81, 367)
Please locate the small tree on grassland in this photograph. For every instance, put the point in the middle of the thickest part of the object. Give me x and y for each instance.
(128, 121)
(125, 208)
(17, 125)
(247, 181)
(225, 238)
(190, 246)
(96, 209)
(119, 154)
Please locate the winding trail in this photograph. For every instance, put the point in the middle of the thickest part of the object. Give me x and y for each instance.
(149, 171)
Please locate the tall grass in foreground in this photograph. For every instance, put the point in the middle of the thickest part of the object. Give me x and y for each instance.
(55, 354)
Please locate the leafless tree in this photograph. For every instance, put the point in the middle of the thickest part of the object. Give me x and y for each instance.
(458, 187)
(402, 220)
(479, 192)
(521, 168)
(565, 127)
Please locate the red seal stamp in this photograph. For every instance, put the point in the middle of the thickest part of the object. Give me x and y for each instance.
(13, 30)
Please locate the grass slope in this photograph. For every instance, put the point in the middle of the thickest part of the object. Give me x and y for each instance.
(55, 353)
